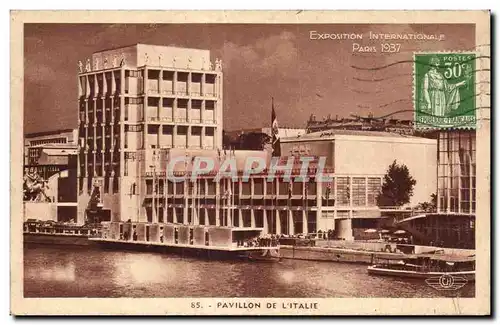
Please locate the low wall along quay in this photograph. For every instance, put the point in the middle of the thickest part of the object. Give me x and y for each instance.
(358, 252)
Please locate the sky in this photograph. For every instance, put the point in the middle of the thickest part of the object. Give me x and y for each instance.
(305, 76)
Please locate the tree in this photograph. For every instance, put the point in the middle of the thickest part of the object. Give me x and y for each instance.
(397, 187)
(254, 140)
(434, 200)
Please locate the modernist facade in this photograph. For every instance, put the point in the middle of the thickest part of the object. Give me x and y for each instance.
(142, 107)
(134, 102)
(457, 172)
(34, 143)
(359, 160)
(454, 223)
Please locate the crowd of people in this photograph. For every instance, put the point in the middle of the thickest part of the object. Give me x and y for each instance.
(263, 241)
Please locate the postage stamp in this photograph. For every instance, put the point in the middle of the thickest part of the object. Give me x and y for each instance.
(445, 90)
(250, 163)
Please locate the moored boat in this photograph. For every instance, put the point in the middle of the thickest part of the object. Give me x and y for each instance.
(426, 266)
(58, 233)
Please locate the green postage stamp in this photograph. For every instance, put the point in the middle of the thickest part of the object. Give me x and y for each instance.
(444, 90)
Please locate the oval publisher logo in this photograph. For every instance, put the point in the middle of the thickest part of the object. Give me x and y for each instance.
(446, 282)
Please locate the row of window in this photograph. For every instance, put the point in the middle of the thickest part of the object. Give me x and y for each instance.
(111, 82)
(177, 102)
(47, 141)
(363, 193)
(181, 76)
(92, 85)
(208, 217)
(180, 130)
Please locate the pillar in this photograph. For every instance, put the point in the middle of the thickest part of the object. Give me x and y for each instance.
(240, 218)
(186, 206)
(305, 226)
(174, 215)
(252, 219)
(203, 130)
(146, 106)
(265, 224)
(174, 110)
(344, 229)
(219, 200)
(350, 197)
(291, 227)
(160, 82)
(174, 83)
(366, 191)
(174, 135)
(158, 135)
(276, 216)
(203, 86)
(460, 191)
(202, 111)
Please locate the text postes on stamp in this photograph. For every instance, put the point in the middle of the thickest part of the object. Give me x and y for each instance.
(444, 90)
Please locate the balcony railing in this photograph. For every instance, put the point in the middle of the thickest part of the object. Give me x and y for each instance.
(181, 120)
(160, 119)
(155, 91)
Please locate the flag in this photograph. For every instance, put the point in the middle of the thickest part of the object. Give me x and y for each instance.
(274, 133)
(328, 190)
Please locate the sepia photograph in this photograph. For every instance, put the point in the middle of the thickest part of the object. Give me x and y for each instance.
(252, 164)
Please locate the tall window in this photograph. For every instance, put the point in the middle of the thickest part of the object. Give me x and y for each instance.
(456, 171)
(374, 189)
(343, 191)
(358, 191)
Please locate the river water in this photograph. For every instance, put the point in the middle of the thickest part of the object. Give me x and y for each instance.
(70, 271)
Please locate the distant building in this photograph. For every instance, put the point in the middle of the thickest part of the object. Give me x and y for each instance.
(50, 175)
(35, 142)
(361, 124)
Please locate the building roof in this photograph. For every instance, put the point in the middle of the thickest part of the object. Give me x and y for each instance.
(45, 133)
(327, 133)
(331, 134)
(60, 152)
(61, 146)
(142, 44)
(427, 215)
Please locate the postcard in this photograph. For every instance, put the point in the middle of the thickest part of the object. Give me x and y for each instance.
(250, 163)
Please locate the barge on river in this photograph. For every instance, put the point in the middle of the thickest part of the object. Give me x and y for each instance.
(58, 233)
(426, 266)
(198, 240)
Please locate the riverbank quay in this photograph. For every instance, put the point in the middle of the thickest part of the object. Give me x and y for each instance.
(363, 252)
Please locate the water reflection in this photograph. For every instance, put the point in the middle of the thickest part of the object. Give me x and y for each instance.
(53, 271)
(58, 273)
